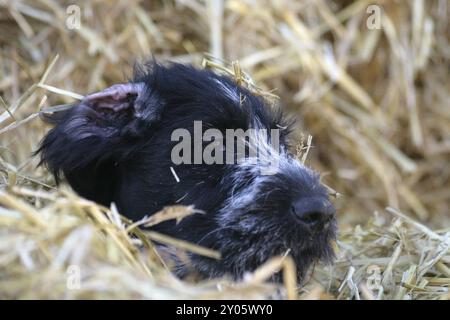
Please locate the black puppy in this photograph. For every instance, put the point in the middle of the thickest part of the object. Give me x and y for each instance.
(118, 145)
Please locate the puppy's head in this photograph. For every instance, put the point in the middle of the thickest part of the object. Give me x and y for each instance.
(180, 135)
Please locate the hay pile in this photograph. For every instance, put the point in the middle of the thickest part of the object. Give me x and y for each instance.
(372, 92)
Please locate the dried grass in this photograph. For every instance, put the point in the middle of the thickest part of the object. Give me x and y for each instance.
(374, 101)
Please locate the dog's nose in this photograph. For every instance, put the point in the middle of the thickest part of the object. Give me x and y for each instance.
(313, 211)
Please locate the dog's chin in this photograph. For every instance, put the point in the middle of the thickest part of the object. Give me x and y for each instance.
(244, 254)
(313, 250)
(304, 258)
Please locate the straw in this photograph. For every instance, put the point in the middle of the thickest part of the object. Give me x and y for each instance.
(371, 102)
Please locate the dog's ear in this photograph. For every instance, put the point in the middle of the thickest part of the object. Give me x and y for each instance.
(90, 138)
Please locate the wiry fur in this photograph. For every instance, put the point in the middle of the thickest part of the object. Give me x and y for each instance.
(124, 156)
